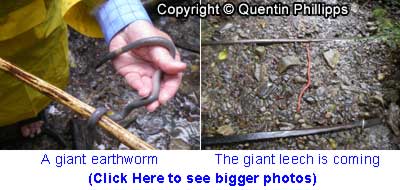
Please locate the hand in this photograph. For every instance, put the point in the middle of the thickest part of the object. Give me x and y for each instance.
(139, 65)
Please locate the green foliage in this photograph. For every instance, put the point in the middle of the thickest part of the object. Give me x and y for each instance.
(388, 29)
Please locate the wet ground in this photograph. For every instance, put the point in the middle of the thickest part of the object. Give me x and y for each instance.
(173, 126)
(244, 92)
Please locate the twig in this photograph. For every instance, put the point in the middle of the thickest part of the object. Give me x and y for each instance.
(308, 78)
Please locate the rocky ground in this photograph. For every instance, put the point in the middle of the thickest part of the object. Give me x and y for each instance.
(173, 126)
(255, 88)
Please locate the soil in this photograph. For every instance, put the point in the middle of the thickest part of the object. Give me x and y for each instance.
(245, 93)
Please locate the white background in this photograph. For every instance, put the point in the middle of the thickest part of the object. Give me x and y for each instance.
(22, 170)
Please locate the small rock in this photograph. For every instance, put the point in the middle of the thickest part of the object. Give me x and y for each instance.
(393, 118)
(54, 111)
(332, 92)
(370, 24)
(260, 51)
(123, 147)
(242, 33)
(332, 57)
(328, 115)
(302, 121)
(285, 126)
(225, 130)
(301, 146)
(260, 72)
(362, 100)
(297, 117)
(321, 91)
(305, 126)
(101, 147)
(309, 99)
(178, 144)
(372, 29)
(365, 115)
(227, 26)
(264, 90)
(299, 79)
(381, 76)
(378, 99)
(287, 62)
(273, 77)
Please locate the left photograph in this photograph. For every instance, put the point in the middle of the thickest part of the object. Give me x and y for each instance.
(98, 75)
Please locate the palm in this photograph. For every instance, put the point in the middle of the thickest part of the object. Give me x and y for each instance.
(138, 66)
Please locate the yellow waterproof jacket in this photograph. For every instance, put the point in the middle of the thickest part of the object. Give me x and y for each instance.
(33, 36)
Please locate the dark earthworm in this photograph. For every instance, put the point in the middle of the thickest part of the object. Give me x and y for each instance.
(156, 82)
(96, 115)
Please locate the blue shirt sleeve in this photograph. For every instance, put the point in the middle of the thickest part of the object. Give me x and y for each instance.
(114, 15)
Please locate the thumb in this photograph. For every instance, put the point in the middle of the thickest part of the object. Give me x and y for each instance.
(163, 59)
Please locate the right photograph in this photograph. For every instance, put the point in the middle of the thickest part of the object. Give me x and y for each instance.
(302, 82)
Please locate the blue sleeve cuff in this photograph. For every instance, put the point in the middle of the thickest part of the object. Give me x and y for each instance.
(114, 15)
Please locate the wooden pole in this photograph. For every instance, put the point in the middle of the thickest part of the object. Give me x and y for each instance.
(78, 106)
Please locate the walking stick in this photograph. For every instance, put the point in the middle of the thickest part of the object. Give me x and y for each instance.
(78, 106)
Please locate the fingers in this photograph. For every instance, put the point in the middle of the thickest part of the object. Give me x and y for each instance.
(140, 83)
(162, 58)
(32, 129)
(148, 85)
(153, 106)
(169, 87)
(158, 55)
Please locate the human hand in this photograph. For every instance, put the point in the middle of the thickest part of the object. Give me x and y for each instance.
(139, 65)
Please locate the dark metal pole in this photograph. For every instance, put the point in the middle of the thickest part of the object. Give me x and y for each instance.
(285, 134)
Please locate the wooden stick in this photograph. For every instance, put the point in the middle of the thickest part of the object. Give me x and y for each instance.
(78, 106)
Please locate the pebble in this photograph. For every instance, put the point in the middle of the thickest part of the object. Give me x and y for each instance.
(393, 118)
(178, 144)
(332, 57)
(381, 76)
(328, 115)
(299, 79)
(286, 62)
(297, 116)
(273, 77)
(260, 51)
(260, 72)
(227, 26)
(285, 126)
(309, 99)
(378, 99)
(225, 130)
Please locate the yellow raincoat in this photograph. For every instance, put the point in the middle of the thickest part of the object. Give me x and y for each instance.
(33, 35)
